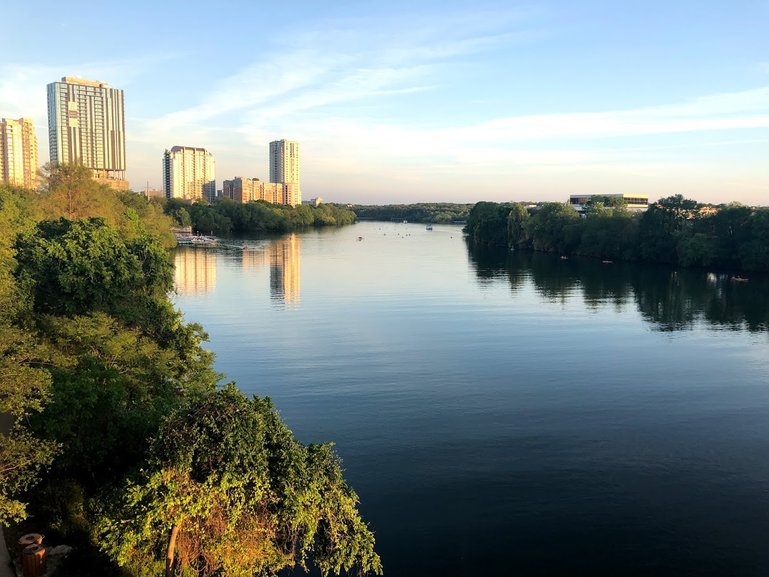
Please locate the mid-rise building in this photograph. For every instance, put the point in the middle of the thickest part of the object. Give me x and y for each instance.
(86, 126)
(284, 168)
(189, 173)
(246, 190)
(18, 152)
(633, 202)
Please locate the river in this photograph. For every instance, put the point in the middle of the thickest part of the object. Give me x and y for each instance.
(508, 413)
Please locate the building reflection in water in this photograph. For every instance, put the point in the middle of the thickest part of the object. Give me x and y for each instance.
(285, 269)
(195, 267)
(194, 270)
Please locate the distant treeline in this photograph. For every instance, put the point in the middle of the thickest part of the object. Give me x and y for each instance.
(430, 212)
(674, 230)
(225, 217)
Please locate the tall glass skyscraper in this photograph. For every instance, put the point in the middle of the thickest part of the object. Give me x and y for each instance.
(86, 125)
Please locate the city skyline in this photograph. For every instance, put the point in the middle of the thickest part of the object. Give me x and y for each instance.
(431, 101)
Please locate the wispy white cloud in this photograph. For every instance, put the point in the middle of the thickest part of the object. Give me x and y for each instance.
(351, 59)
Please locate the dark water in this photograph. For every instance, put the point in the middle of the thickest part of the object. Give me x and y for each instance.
(509, 414)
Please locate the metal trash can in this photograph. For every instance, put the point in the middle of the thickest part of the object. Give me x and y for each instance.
(33, 561)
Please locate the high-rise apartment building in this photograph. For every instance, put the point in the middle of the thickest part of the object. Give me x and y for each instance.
(18, 152)
(284, 168)
(189, 173)
(86, 125)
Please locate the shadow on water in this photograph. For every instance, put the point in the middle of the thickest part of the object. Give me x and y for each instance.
(669, 299)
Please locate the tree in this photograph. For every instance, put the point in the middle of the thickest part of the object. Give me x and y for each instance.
(77, 267)
(228, 490)
(23, 391)
(516, 224)
(24, 387)
(121, 357)
(487, 224)
(554, 228)
(603, 206)
(754, 254)
(70, 191)
(662, 226)
(732, 229)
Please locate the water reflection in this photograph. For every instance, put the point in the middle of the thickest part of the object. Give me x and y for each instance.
(195, 267)
(194, 270)
(285, 269)
(669, 299)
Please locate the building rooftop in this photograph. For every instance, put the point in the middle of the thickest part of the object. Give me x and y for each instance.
(84, 82)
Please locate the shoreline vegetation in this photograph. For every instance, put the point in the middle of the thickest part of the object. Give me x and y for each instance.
(425, 212)
(674, 230)
(226, 218)
(124, 443)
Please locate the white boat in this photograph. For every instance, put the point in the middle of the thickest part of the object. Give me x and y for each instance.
(196, 240)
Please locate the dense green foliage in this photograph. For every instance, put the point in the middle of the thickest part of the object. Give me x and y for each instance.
(427, 212)
(487, 223)
(73, 194)
(97, 363)
(225, 217)
(674, 230)
(24, 388)
(227, 489)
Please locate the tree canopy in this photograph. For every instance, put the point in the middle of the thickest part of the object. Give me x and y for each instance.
(228, 490)
(674, 230)
(226, 217)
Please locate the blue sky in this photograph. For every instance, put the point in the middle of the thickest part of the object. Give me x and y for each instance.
(418, 101)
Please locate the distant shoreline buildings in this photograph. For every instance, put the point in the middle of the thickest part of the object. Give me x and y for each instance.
(284, 186)
(633, 202)
(86, 126)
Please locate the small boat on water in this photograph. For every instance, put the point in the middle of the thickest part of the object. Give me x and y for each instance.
(196, 240)
(739, 279)
(429, 227)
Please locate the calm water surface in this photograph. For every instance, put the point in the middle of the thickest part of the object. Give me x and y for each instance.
(508, 414)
